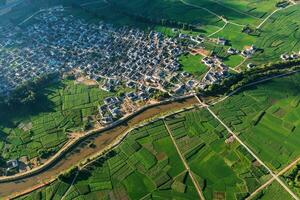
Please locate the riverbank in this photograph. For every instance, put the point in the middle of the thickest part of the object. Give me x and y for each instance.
(79, 152)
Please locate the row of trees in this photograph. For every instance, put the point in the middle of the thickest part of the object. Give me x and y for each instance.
(236, 81)
(139, 17)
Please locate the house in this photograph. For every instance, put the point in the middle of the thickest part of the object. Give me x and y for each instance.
(232, 51)
(106, 120)
(284, 57)
(222, 41)
(250, 66)
(12, 165)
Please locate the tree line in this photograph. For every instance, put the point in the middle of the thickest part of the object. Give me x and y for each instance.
(236, 81)
(139, 17)
(28, 93)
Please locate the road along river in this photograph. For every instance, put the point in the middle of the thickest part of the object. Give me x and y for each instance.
(80, 150)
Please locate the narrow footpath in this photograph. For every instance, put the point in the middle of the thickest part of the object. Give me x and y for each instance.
(185, 164)
(249, 150)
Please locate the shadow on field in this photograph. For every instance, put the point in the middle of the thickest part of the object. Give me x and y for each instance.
(86, 173)
(11, 115)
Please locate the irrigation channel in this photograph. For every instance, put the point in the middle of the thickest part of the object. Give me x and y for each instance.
(80, 151)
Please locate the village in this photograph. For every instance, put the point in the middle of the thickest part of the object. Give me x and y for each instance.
(112, 56)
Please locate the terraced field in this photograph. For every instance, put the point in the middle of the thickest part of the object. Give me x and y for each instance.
(267, 118)
(146, 165)
(224, 169)
(40, 131)
(280, 35)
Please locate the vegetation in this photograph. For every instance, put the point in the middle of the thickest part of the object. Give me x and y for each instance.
(224, 170)
(60, 108)
(292, 178)
(192, 64)
(239, 80)
(267, 120)
(146, 158)
(274, 192)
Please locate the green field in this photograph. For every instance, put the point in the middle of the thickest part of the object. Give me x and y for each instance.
(193, 65)
(41, 130)
(274, 192)
(242, 12)
(223, 170)
(280, 35)
(267, 119)
(145, 165)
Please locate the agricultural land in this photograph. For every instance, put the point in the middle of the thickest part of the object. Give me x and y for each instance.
(150, 99)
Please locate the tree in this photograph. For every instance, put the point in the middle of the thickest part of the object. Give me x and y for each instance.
(2, 162)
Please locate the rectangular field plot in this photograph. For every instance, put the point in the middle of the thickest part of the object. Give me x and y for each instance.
(224, 169)
(39, 130)
(275, 192)
(146, 165)
(267, 119)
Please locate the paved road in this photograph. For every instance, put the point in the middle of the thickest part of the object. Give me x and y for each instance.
(185, 164)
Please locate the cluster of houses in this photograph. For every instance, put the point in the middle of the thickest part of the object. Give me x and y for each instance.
(293, 56)
(217, 70)
(113, 107)
(10, 167)
(56, 42)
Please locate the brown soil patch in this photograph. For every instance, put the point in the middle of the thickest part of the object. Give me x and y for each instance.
(202, 52)
(219, 196)
(86, 81)
(161, 156)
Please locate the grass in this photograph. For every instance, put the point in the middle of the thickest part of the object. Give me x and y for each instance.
(193, 65)
(233, 61)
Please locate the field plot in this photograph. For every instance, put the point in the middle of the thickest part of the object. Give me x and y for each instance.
(41, 130)
(171, 11)
(224, 169)
(279, 35)
(267, 119)
(193, 65)
(241, 12)
(292, 179)
(237, 39)
(146, 165)
(253, 8)
(275, 192)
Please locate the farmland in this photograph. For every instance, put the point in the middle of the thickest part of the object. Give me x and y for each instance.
(280, 35)
(274, 192)
(148, 158)
(266, 118)
(62, 108)
(147, 163)
(224, 170)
